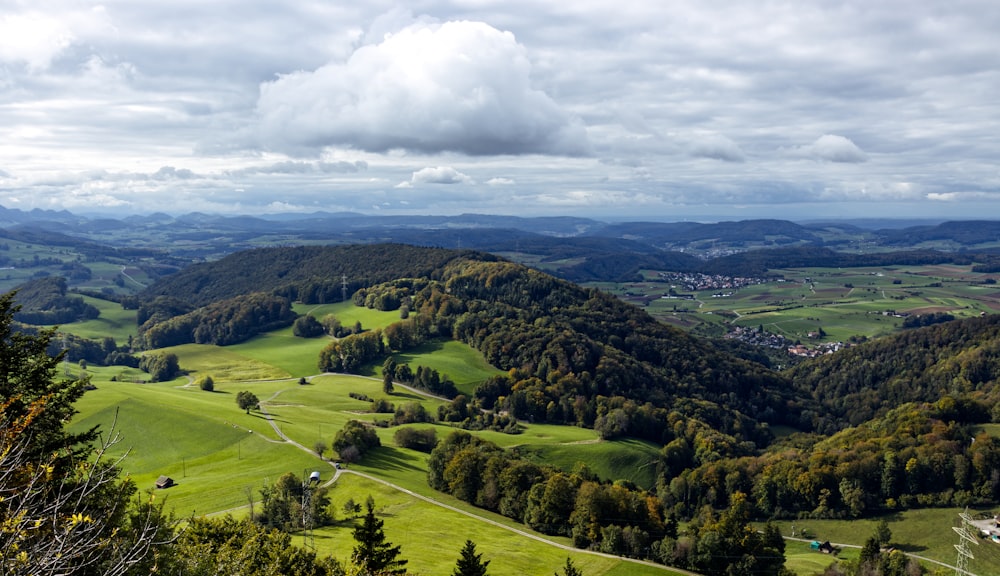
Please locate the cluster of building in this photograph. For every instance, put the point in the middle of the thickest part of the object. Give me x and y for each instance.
(818, 350)
(760, 337)
(757, 337)
(699, 281)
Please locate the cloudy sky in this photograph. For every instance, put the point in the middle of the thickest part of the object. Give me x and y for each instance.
(699, 109)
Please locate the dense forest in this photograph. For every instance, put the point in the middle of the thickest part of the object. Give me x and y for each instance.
(46, 301)
(312, 274)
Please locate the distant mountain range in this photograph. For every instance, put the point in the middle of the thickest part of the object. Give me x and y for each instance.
(576, 248)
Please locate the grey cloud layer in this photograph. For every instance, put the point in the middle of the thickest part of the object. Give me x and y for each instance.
(591, 107)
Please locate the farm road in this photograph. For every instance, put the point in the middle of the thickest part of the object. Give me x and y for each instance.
(911, 555)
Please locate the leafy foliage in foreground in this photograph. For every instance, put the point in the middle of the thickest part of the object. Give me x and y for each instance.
(63, 508)
(226, 546)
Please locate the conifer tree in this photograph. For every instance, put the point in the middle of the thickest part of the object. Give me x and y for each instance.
(470, 563)
(569, 569)
(373, 554)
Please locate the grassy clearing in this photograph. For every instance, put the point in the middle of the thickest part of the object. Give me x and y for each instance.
(212, 449)
(348, 314)
(627, 459)
(465, 366)
(113, 321)
(223, 363)
(294, 356)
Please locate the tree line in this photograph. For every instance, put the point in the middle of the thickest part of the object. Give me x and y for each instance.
(611, 517)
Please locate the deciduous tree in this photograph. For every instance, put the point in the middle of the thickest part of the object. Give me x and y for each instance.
(247, 400)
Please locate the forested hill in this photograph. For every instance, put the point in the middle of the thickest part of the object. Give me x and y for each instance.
(573, 355)
(958, 359)
(312, 274)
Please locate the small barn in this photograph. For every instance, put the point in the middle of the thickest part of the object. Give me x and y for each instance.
(164, 482)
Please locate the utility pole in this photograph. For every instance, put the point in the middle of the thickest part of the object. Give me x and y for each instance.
(307, 512)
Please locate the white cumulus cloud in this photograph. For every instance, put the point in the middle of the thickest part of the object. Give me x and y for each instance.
(500, 181)
(436, 175)
(36, 38)
(457, 86)
(833, 148)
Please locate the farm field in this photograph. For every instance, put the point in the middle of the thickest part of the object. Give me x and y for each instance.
(843, 302)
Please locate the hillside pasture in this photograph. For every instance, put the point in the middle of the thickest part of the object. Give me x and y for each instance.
(293, 356)
(223, 363)
(348, 314)
(220, 457)
(426, 535)
(624, 459)
(213, 450)
(114, 321)
(464, 365)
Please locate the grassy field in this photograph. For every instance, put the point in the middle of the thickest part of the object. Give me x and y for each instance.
(348, 314)
(465, 366)
(114, 321)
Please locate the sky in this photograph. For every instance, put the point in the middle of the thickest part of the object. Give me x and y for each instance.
(624, 109)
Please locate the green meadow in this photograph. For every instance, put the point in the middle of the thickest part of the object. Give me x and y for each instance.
(465, 366)
(114, 321)
(348, 314)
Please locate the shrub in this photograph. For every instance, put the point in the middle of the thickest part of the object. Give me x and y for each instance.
(423, 439)
(206, 383)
